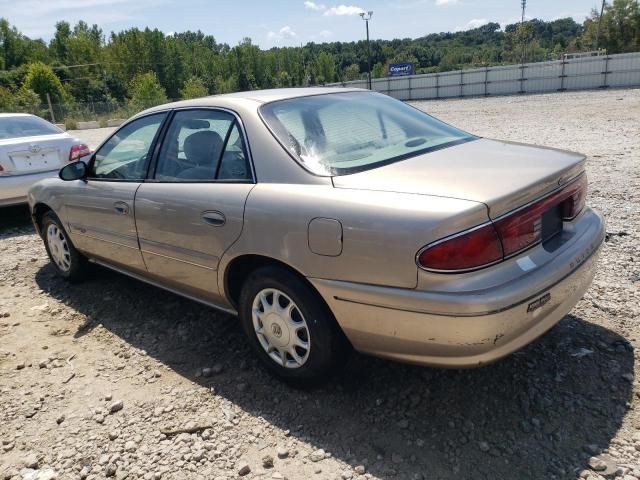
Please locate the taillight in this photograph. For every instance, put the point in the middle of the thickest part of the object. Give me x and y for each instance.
(78, 151)
(474, 249)
(523, 228)
(506, 236)
(574, 203)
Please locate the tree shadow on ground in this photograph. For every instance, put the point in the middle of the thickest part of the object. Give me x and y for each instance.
(528, 416)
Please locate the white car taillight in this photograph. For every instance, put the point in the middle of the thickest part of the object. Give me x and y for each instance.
(78, 151)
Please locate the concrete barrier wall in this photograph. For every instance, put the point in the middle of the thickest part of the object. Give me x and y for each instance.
(622, 70)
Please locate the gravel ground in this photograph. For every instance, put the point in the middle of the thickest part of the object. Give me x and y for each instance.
(114, 378)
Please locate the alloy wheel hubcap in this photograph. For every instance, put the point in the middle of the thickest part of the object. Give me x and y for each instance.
(281, 328)
(58, 248)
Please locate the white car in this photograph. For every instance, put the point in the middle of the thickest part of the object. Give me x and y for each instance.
(32, 149)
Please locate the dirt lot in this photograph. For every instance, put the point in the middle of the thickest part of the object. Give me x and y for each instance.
(92, 374)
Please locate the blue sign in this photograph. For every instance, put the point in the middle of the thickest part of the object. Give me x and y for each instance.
(400, 69)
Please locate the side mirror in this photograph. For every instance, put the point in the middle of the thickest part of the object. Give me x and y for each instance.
(74, 171)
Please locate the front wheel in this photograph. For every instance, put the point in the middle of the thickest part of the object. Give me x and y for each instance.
(290, 328)
(68, 262)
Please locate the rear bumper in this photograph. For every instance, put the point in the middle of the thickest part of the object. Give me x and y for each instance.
(14, 188)
(466, 329)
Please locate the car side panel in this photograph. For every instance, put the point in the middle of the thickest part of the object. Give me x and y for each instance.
(101, 220)
(184, 229)
(382, 231)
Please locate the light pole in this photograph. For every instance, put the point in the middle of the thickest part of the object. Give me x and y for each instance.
(366, 16)
(599, 22)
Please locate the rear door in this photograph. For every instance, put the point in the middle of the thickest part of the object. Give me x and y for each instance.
(100, 210)
(191, 209)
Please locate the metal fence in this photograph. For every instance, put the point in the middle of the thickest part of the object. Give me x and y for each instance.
(615, 71)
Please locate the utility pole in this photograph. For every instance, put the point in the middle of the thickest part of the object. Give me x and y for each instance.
(366, 16)
(523, 4)
(599, 22)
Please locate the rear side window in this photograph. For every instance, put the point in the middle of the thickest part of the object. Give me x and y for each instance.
(203, 146)
(343, 133)
(19, 126)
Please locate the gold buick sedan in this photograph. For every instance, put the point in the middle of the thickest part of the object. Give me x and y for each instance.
(331, 219)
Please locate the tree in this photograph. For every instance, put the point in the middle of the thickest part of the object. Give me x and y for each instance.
(194, 87)
(352, 72)
(378, 70)
(324, 68)
(145, 91)
(41, 79)
(619, 29)
(27, 101)
(59, 42)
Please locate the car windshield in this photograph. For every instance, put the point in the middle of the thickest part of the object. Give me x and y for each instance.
(19, 126)
(343, 133)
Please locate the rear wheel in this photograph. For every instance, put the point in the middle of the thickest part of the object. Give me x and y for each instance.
(68, 262)
(290, 328)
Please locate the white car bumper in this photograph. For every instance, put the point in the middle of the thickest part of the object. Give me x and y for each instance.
(14, 188)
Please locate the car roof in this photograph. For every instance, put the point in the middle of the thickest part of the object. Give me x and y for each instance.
(5, 115)
(255, 97)
(269, 95)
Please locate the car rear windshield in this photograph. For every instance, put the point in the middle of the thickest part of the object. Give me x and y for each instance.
(16, 127)
(343, 133)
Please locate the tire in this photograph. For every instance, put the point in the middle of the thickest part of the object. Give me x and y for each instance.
(309, 319)
(67, 261)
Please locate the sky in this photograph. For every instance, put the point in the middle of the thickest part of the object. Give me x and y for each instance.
(284, 22)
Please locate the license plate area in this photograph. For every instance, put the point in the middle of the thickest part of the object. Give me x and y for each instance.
(33, 162)
(551, 227)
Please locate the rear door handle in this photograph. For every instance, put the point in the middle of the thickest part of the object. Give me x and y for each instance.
(121, 207)
(217, 219)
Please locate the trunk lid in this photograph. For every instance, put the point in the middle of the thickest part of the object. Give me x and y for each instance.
(502, 175)
(34, 154)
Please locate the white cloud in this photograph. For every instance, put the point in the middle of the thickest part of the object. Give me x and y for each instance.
(444, 3)
(103, 12)
(471, 24)
(318, 7)
(341, 10)
(325, 34)
(284, 33)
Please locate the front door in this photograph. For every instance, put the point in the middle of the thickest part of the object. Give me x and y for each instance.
(100, 210)
(191, 209)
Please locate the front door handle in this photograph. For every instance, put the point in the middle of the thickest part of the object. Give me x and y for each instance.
(215, 218)
(121, 207)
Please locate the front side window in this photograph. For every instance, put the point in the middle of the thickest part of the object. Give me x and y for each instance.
(342, 133)
(125, 156)
(202, 145)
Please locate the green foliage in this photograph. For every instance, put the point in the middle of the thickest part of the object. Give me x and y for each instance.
(378, 71)
(27, 101)
(6, 98)
(194, 87)
(324, 68)
(352, 72)
(619, 29)
(24, 100)
(80, 67)
(41, 79)
(145, 91)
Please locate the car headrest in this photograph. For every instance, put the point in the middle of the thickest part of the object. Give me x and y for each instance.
(203, 148)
